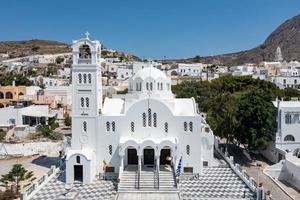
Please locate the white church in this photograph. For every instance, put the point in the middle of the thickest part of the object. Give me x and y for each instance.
(147, 127)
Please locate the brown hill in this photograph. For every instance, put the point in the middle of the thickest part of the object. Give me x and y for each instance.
(286, 36)
(17, 49)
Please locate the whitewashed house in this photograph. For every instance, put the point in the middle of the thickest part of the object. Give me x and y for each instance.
(148, 127)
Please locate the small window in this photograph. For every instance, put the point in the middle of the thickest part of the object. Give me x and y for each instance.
(188, 170)
(132, 126)
(87, 102)
(161, 86)
(113, 126)
(288, 118)
(144, 119)
(149, 117)
(289, 138)
(147, 86)
(78, 159)
(185, 126)
(84, 78)
(154, 119)
(110, 150)
(166, 127)
(82, 102)
(90, 78)
(107, 126)
(84, 126)
(79, 78)
(191, 126)
(151, 86)
(188, 150)
(205, 164)
(157, 86)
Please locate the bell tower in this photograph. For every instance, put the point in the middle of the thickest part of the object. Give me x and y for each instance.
(86, 93)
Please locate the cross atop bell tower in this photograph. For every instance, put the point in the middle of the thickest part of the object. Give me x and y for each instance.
(87, 34)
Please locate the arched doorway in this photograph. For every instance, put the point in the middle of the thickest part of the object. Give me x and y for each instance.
(165, 156)
(132, 158)
(8, 95)
(148, 156)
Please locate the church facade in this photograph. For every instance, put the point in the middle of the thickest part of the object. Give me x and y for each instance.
(146, 127)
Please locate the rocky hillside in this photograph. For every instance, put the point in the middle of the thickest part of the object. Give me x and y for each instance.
(33, 47)
(286, 36)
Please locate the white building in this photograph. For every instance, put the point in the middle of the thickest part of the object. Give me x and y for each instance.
(24, 119)
(148, 127)
(193, 69)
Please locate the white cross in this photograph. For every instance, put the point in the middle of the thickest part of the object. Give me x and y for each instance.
(87, 35)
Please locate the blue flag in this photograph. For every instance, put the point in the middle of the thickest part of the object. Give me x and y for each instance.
(178, 171)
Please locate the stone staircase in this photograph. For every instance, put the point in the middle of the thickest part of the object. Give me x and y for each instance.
(150, 181)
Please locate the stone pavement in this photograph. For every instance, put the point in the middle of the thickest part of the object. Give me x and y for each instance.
(98, 190)
(148, 196)
(215, 183)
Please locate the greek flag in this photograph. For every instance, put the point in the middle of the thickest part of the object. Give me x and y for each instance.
(178, 171)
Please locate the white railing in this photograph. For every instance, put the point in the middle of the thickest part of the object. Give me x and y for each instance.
(37, 185)
(249, 181)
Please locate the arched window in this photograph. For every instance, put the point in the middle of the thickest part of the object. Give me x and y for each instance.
(185, 126)
(191, 126)
(154, 119)
(107, 126)
(1, 105)
(151, 86)
(147, 86)
(113, 126)
(79, 78)
(137, 87)
(110, 149)
(85, 52)
(1, 95)
(144, 119)
(87, 102)
(90, 78)
(84, 78)
(161, 86)
(157, 86)
(84, 126)
(166, 127)
(140, 86)
(289, 138)
(21, 93)
(149, 117)
(82, 102)
(78, 159)
(8, 95)
(132, 126)
(187, 149)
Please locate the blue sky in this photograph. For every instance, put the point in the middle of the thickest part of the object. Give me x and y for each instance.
(149, 28)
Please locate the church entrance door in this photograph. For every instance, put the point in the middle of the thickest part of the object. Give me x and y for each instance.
(132, 157)
(165, 156)
(78, 173)
(148, 156)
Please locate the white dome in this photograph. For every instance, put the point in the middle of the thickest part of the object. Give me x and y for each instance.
(149, 72)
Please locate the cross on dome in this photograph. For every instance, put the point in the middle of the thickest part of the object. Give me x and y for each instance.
(87, 34)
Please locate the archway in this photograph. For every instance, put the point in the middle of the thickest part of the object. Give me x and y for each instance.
(1, 105)
(165, 156)
(8, 95)
(132, 157)
(148, 156)
(85, 52)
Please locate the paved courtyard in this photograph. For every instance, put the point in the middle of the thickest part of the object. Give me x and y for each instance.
(215, 183)
(56, 189)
